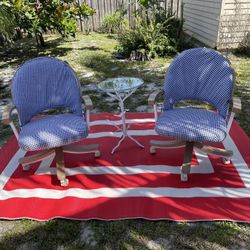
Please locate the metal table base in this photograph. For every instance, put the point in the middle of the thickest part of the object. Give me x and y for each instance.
(124, 128)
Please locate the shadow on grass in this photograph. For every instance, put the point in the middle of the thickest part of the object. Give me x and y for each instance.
(92, 48)
(137, 234)
(125, 234)
(42, 235)
(26, 49)
(5, 133)
(106, 66)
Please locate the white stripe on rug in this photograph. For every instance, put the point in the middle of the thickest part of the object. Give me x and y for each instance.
(127, 192)
(119, 134)
(204, 167)
(119, 122)
(11, 167)
(238, 161)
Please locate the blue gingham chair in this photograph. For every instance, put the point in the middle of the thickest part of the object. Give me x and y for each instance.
(196, 74)
(39, 85)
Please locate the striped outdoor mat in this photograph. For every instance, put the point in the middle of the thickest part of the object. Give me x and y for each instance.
(132, 183)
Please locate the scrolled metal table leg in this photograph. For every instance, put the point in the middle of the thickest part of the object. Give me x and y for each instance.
(134, 140)
(118, 144)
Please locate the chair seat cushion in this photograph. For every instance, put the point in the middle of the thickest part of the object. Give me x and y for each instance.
(188, 124)
(52, 131)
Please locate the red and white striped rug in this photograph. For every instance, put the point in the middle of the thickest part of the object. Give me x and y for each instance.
(132, 183)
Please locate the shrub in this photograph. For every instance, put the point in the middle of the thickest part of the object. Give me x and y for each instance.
(152, 36)
(7, 23)
(244, 46)
(114, 23)
(156, 32)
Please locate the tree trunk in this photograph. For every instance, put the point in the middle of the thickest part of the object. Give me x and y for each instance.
(19, 33)
(40, 40)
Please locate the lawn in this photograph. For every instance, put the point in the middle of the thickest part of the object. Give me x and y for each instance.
(93, 60)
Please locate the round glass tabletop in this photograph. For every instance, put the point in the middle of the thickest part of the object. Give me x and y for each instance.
(120, 84)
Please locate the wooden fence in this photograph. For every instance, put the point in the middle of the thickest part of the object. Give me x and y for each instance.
(106, 7)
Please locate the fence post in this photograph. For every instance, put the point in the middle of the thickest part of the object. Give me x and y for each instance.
(104, 8)
(182, 12)
(171, 7)
(177, 8)
(80, 17)
(99, 12)
(129, 13)
(92, 17)
(110, 4)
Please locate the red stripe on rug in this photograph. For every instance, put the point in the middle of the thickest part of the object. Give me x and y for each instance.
(7, 152)
(178, 209)
(241, 140)
(120, 158)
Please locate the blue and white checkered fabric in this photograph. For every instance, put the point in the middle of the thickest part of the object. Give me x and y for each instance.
(188, 124)
(52, 131)
(45, 83)
(197, 74)
(200, 74)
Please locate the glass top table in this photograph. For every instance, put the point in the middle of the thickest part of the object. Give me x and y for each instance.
(120, 84)
(121, 88)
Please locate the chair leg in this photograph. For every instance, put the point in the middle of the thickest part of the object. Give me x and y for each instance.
(26, 167)
(60, 167)
(165, 144)
(186, 166)
(227, 154)
(79, 149)
(27, 160)
(226, 161)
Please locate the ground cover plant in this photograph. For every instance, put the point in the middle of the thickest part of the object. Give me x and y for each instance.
(93, 60)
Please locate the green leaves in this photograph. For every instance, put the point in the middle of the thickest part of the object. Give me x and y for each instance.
(18, 4)
(36, 16)
(7, 20)
(148, 4)
(115, 22)
(86, 11)
(144, 3)
(152, 34)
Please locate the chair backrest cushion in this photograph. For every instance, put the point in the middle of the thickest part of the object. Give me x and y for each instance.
(200, 74)
(45, 83)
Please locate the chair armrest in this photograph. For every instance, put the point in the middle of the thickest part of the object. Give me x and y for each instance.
(6, 115)
(152, 98)
(88, 105)
(87, 101)
(7, 119)
(152, 102)
(236, 105)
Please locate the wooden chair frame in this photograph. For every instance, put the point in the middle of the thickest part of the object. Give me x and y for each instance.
(186, 166)
(73, 149)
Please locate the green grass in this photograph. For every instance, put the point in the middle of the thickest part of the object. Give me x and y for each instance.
(94, 53)
(241, 65)
(125, 234)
